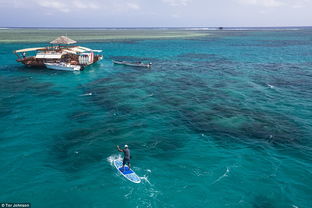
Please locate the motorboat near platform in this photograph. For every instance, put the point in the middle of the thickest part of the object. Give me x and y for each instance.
(63, 66)
(136, 64)
(59, 55)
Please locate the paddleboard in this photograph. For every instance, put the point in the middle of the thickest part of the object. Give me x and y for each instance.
(127, 172)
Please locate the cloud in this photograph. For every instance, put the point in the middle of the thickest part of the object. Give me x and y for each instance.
(54, 5)
(12, 4)
(84, 5)
(263, 3)
(120, 6)
(133, 6)
(67, 6)
(298, 4)
(177, 2)
(293, 4)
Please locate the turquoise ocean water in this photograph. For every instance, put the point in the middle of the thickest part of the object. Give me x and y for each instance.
(219, 121)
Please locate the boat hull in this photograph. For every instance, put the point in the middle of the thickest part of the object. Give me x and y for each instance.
(63, 67)
(132, 64)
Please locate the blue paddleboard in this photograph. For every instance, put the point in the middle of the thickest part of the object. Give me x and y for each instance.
(127, 172)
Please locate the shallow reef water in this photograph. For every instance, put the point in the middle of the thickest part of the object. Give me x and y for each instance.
(222, 120)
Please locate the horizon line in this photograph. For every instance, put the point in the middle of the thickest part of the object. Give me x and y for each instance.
(149, 27)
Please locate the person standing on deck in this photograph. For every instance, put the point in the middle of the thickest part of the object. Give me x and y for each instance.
(127, 156)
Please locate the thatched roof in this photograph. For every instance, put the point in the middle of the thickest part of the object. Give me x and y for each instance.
(63, 40)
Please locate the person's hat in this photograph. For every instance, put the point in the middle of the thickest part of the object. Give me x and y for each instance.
(126, 146)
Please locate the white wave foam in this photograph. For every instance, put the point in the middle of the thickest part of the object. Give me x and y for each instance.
(150, 95)
(145, 178)
(87, 94)
(129, 194)
(223, 176)
(153, 193)
(111, 158)
(271, 86)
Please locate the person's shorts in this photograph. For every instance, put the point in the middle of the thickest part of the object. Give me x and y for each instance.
(125, 161)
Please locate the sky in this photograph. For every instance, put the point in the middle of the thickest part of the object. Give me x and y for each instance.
(155, 13)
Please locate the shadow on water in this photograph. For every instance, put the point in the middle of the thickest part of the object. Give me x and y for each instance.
(13, 88)
(194, 57)
(6, 107)
(74, 150)
(263, 202)
(201, 63)
(79, 116)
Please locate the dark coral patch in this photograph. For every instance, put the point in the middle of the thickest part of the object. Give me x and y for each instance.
(243, 124)
(72, 151)
(80, 116)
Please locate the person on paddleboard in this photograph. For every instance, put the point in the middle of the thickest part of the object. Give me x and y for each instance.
(127, 156)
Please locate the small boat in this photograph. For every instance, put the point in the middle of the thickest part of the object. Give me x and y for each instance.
(137, 64)
(63, 66)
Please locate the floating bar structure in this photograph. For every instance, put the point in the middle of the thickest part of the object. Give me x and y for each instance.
(60, 53)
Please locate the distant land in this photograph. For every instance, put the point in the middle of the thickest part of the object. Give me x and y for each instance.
(103, 34)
